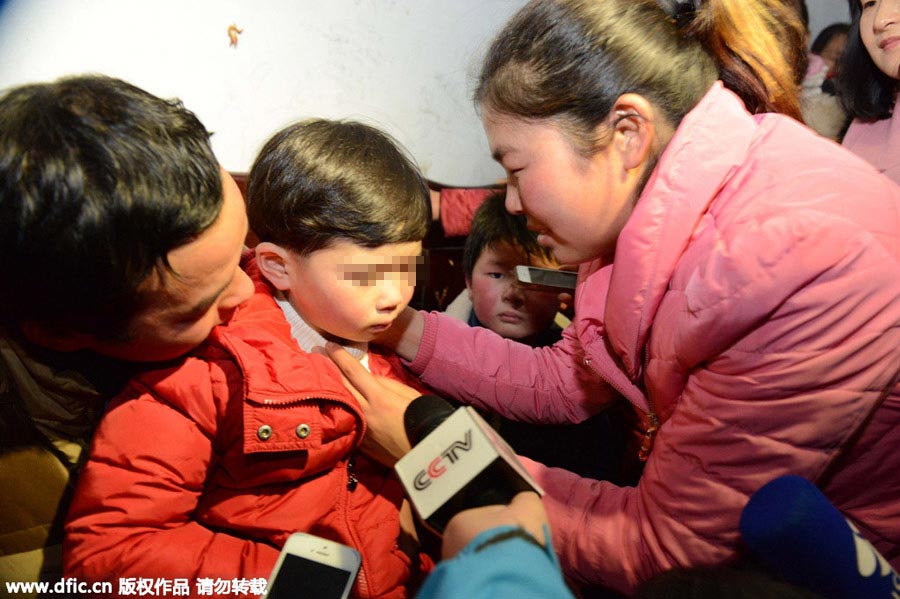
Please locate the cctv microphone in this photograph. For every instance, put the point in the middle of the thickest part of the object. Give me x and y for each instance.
(423, 415)
(794, 530)
(457, 462)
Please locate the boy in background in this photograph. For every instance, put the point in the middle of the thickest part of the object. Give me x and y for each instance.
(203, 469)
(497, 242)
(495, 245)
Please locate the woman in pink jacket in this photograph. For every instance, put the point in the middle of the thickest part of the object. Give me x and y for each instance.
(869, 79)
(739, 285)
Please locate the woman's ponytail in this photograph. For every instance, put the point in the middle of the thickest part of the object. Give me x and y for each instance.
(759, 46)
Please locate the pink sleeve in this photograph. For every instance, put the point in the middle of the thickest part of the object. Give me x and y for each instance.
(478, 367)
(593, 522)
(604, 534)
(458, 206)
(618, 537)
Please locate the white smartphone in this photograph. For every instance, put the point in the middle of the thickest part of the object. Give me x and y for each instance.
(310, 566)
(546, 279)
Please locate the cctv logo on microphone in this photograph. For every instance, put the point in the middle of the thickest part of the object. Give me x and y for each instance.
(450, 457)
(436, 468)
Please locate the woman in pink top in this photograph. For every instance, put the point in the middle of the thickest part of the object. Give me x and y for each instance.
(739, 284)
(869, 77)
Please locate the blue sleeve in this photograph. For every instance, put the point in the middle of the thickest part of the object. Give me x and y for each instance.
(513, 567)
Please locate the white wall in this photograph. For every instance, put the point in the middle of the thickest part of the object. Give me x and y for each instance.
(404, 65)
(823, 13)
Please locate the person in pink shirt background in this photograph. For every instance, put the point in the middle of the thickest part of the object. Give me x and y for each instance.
(868, 82)
(822, 108)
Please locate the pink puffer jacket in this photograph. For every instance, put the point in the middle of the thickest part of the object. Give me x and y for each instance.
(754, 304)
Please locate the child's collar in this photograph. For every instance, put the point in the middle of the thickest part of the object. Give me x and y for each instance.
(308, 338)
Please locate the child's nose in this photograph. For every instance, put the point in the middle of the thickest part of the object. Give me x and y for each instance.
(513, 293)
(390, 294)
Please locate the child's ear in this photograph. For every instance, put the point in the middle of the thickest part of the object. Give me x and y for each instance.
(272, 261)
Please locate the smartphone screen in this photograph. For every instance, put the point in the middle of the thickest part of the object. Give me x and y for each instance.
(299, 578)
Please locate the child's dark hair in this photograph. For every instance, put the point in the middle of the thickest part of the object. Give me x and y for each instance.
(826, 34)
(319, 181)
(866, 92)
(492, 225)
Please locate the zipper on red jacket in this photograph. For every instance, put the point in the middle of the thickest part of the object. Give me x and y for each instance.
(352, 481)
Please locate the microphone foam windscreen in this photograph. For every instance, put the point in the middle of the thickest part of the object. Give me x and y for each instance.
(423, 415)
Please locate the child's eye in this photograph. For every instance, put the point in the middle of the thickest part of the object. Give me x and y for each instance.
(364, 279)
(357, 275)
(495, 275)
(371, 274)
(868, 4)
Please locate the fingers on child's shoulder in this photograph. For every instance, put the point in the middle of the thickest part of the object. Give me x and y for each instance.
(333, 349)
(342, 358)
(400, 388)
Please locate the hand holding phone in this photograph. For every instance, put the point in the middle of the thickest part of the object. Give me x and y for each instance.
(310, 566)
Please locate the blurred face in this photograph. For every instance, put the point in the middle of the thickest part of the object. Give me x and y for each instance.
(500, 303)
(879, 29)
(205, 286)
(578, 204)
(833, 50)
(353, 292)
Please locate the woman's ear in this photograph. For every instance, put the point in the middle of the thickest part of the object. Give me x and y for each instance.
(273, 262)
(635, 125)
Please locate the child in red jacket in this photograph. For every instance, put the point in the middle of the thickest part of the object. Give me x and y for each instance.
(202, 469)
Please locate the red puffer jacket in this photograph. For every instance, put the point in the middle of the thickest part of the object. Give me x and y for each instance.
(203, 470)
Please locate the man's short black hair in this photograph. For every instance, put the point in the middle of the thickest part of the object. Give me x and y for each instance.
(99, 180)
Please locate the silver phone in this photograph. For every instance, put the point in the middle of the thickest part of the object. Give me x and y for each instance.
(546, 279)
(310, 566)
